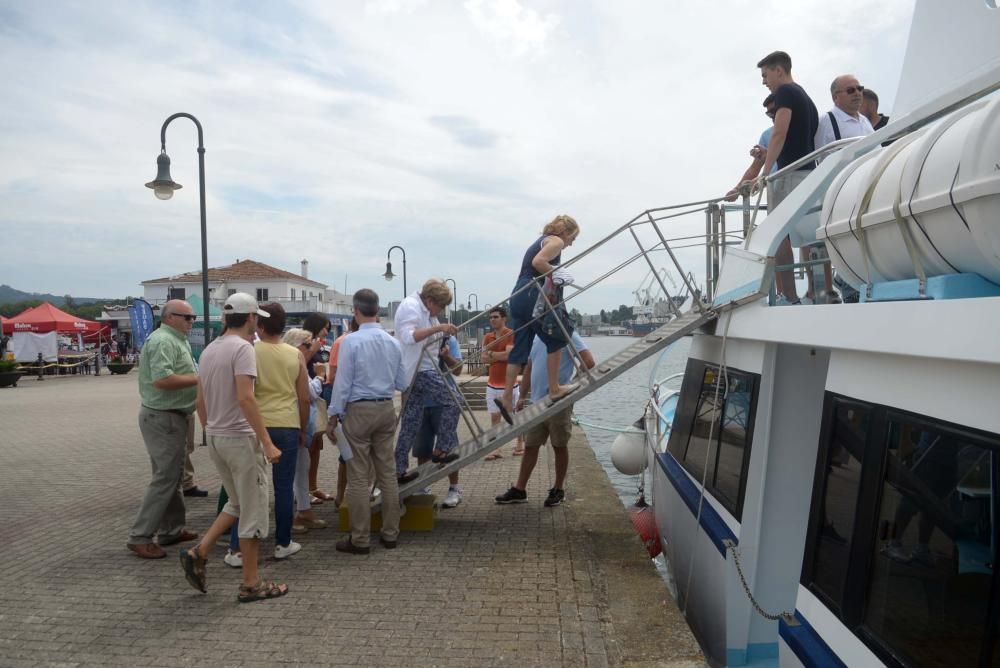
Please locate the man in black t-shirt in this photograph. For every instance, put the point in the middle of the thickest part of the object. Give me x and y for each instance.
(869, 107)
(795, 123)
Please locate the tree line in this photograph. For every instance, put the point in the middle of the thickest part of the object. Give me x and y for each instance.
(85, 311)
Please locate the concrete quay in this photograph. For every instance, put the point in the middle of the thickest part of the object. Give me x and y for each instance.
(519, 585)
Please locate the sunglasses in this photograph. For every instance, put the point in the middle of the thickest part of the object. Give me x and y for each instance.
(189, 318)
(853, 89)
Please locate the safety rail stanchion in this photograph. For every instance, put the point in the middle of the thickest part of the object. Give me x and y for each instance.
(694, 293)
(652, 267)
(457, 397)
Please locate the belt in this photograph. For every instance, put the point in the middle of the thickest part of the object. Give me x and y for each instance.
(358, 401)
(175, 411)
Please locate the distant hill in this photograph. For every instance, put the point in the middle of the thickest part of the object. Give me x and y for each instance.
(9, 295)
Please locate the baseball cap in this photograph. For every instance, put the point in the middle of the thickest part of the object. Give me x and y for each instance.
(241, 302)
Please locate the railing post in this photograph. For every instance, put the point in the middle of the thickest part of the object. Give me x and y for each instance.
(695, 297)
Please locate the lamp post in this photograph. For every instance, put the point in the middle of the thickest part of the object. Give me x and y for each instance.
(471, 295)
(455, 300)
(388, 268)
(163, 187)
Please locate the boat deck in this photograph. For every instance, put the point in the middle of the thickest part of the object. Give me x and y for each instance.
(491, 585)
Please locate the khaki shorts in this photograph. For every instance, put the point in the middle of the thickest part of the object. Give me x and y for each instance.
(243, 469)
(558, 428)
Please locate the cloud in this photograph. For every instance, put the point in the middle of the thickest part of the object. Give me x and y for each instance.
(335, 130)
(465, 131)
(512, 27)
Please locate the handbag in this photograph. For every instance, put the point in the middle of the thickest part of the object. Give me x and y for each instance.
(551, 317)
(322, 420)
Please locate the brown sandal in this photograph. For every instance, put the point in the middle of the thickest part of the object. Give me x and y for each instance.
(194, 569)
(261, 591)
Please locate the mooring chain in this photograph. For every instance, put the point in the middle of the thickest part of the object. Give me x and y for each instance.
(788, 617)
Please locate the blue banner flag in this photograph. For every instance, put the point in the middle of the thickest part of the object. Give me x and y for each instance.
(141, 317)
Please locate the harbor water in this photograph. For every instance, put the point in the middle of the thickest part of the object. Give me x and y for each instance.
(621, 402)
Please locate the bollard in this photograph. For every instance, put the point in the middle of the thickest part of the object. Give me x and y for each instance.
(41, 363)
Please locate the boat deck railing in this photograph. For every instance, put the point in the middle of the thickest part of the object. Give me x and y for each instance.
(644, 239)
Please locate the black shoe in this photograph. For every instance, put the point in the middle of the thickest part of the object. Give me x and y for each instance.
(407, 477)
(387, 544)
(194, 491)
(555, 497)
(512, 495)
(347, 546)
(446, 458)
(504, 413)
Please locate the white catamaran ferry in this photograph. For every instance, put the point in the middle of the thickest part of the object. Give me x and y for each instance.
(826, 481)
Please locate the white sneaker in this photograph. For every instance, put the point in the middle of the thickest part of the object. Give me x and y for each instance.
(453, 498)
(287, 551)
(234, 559)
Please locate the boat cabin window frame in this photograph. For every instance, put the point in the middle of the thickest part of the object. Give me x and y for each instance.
(850, 607)
(683, 428)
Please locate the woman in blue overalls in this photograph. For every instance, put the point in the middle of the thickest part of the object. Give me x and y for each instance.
(540, 259)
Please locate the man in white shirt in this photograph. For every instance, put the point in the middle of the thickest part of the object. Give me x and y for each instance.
(420, 333)
(845, 119)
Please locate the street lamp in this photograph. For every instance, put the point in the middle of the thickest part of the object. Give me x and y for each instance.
(455, 300)
(388, 268)
(163, 187)
(471, 295)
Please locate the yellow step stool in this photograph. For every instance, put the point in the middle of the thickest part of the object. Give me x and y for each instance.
(419, 515)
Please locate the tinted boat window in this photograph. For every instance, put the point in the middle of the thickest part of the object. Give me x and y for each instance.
(929, 585)
(838, 504)
(724, 409)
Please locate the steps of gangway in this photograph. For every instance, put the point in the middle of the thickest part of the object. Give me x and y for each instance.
(604, 372)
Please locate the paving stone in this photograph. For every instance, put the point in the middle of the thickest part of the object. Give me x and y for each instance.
(518, 585)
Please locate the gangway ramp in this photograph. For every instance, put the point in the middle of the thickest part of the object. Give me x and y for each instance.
(604, 372)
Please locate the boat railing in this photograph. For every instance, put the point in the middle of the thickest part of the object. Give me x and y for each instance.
(643, 240)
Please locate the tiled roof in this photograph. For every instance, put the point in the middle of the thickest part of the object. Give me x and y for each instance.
(244, 270)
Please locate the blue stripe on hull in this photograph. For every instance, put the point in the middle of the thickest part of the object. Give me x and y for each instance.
(808, 646)
(715, 528)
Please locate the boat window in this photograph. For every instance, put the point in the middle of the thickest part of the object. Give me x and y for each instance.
(838, 501)
(929, 585)
(723, 412)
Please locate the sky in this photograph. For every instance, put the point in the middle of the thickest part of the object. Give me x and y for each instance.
(334, 130)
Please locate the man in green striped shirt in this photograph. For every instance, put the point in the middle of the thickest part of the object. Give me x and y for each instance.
(168, 386)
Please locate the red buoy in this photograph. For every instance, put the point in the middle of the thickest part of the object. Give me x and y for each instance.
(644, 521)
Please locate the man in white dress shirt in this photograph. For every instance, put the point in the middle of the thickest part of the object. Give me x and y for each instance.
(845, 119)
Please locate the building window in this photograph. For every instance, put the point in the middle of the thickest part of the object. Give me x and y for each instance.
(293, 294)
(176, 293)
(230, 292)
(902, 534)
(320, 295)
(262, 294)
(714, 427)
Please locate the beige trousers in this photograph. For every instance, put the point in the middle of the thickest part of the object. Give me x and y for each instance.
(370, 427)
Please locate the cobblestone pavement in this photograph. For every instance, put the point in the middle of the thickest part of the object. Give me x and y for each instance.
(519, 585)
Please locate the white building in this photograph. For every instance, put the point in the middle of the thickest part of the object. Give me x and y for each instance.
(297, 293)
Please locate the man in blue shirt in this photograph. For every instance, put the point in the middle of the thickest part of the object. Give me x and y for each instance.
(369, 371)
(558, 428)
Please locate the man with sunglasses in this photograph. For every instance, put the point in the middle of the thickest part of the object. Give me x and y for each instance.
(845, 119)
(168, 387)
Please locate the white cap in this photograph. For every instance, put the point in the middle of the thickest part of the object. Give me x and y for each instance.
(562, 277)
(241, 302)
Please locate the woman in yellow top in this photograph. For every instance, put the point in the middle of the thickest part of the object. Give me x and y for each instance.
(282, 392)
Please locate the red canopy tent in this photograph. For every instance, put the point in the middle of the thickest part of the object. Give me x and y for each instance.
(47, 318)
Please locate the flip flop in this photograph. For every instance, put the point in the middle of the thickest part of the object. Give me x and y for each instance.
(446, 458)
(570, 389)
(194, 570)
(518, 453)
(504, 413)
(493, 456)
